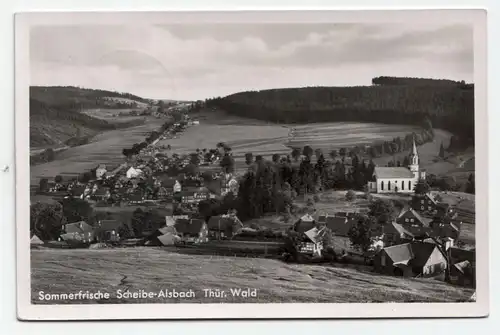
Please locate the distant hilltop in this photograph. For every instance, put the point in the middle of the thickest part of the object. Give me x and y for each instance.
(419, 81)
(56, 113)
(391, 100)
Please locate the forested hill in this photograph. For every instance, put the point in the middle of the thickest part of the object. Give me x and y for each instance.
(76, 98)
(449, 105)
(56, 113)
(51, 125)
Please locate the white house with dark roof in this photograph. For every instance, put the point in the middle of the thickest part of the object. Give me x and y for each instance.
(397, 179)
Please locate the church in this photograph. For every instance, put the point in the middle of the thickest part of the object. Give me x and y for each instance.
(397, 179)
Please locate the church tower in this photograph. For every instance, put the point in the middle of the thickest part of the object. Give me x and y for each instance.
(414, 161)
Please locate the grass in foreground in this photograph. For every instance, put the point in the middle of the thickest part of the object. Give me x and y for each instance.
(154, 269)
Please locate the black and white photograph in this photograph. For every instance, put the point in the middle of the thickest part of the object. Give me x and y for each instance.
(247, 160)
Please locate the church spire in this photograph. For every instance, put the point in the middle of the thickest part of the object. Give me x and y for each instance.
(413, 157)
(414, 148)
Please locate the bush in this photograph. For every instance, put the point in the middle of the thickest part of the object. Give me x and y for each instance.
(350, 195)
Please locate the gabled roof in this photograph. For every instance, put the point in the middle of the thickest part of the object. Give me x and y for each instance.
(303, 226)
(192, 226)
(392, 172)
(463, 267)
(307, 218)
(422, 252)
(167, 230)
(431, 197)
(415, 254)
(399, 253)
(107, 225)
(425, 221)
(169, 220)
(80, 227)
(397, 228)
(35, 240)
(314, 234)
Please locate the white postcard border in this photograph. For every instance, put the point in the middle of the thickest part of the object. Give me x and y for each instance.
(28, 311)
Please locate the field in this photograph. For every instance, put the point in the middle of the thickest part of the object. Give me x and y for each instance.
(329, 136)
(155, 269)
(105, 148)
(262, 138)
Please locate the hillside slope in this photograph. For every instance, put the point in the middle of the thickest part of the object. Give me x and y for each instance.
(56, 113)
(51, 125)
(448, 105)
(152, 269)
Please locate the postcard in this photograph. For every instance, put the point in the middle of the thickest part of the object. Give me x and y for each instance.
(251, 164)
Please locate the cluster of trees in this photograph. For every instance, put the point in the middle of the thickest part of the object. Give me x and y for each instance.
(47, 219)
(77, 97)
(449, 107)
(408, 81)
(450, 183)
(154, 135)
(368, 226)
(144, 221)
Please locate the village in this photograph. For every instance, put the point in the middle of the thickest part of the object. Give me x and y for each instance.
(200, 191)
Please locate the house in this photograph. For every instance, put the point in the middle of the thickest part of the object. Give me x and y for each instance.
(224, 226)
(312, 244)
(35, 240)
(102, 194)
(163, 236)
(163, 193)
(397, 179)
(411, 259)
(133, 173)
(445, 227)
(394, 233)
(192, 231)
(425, 203)
(108, 230)
(459, 255)
(413, 222)
(136, 198)
(100, 171)
(78, 192)
(80, 232)
(304, 224)
(463, 274)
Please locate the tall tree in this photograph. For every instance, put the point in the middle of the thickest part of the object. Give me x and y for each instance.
(307, 151)
(383, 210)
(46, 220)
(441, 150)
(77, 210)
(333, 154)
(362, 232)
(296, 154)
(43, 185)
(227, 163)
(248, 158)
(471, 184)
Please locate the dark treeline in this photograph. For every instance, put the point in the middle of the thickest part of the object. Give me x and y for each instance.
(383, 80)
(154, 135)
(40, 111)
(448, 107)
(63, 94)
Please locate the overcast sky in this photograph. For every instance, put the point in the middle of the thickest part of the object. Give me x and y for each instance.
(202, 61)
